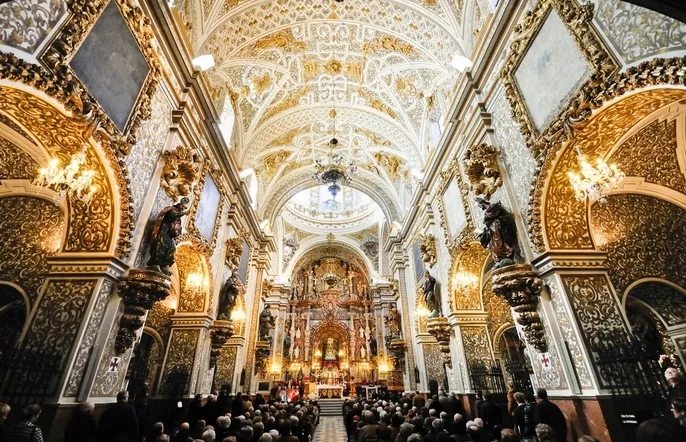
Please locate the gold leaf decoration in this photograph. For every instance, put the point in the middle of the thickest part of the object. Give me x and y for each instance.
(376, 139)
(388, 44)
(280, 40)
(375, 103)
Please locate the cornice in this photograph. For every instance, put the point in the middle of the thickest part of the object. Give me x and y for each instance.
(467, 317)
(191, 320)
(92, 265)
(561, 260)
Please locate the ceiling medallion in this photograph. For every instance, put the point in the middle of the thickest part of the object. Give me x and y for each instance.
(70, 180)
(595, 181)
(332, 170)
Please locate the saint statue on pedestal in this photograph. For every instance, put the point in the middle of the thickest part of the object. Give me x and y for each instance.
(166, 228)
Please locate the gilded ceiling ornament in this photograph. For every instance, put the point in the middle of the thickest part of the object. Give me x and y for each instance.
(287, 138)
(427, 246)
(333, 67)
(481, 167)
(291, 101)
(271, 164)
(375, 103)
(393, 164)
(280, 40)
(388, 44)
(180, 172)
(261, 83)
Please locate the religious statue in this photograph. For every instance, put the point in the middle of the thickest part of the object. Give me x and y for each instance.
(431, 295)
(166, 228)
(373, 348)
(363, 352)
(393, 321)
(287, 344)
(227, 299)
(500, 233)
(296, 352)
(267, 322)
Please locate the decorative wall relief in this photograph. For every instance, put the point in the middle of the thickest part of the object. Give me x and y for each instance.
(181, 170)
(24, 24)
(59, 315)
(468, 259)
(668, 303)
(633, 230)
(427, 247)
(94, 322)
(370, 247)
(499, 312)
(476, 345)
(636, 32)
(15, 164)
(142, 159)
(194, 275)
(181, 353)
(225, 367)
(521, 287)
(564, 320)
(30, 231)
(482, 170)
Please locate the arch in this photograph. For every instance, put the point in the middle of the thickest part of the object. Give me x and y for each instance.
(13, 303)
(335, 327)
(665, 299)
(596, 121)
(301, 179)
(105, 224)
(192, 263)
(467, 275)
(311, 244)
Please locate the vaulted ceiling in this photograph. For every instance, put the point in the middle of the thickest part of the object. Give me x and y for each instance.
(381, 67)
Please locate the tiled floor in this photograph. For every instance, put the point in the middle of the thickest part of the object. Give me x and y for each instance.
(330, 429)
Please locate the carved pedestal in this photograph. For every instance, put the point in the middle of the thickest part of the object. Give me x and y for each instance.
(220, 333)
(397, 349)
(439, 328)
(521, 287)
(139, 290)
(262, 351)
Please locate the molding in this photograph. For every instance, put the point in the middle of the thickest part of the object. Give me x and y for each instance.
(556, 260)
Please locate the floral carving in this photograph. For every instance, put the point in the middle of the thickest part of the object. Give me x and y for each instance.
(427, 246)
(181, 170)
(482, 170)
(15, 164)
(24, 24)
(476, 346)
(181, 354)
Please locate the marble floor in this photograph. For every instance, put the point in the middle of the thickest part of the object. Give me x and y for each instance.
(330, 429)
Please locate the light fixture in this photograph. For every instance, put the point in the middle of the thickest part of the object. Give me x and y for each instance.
(341, 353)
(461, 63)
(318, 353)
(383, 367)
(594, 181)
(203, 62)
(275, 368)
(332, 170)
(422, 311)
(70, 180)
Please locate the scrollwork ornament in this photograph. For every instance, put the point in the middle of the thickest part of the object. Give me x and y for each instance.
(139, 291)
(521, 287)
(180, 172)
(481, 166)
(427, 246)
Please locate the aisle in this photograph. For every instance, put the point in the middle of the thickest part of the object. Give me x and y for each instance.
(330, 429)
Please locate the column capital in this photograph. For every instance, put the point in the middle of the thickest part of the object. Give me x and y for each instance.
(191, 320)
(556, 260)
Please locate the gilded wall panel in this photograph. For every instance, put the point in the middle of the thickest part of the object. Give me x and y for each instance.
(643, 236)
(31, 229)
(468, 260)
(159, 319)
(88, 339)
(15, 164)
(656, 141)
(499, 312)
(181, 354)
(193, 278)
(565, 217)
(433, 361)
(669, 303)
(226, 366)
(475, 341)
(637, 33)
(564, 320)
(144, 155)
(59, 316)
(519, 162)
(24, 24)
(594, 306)
(4, 119)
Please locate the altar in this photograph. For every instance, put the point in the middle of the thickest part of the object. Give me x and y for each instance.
(329, 391)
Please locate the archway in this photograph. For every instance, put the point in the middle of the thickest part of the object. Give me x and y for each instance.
(13, 316)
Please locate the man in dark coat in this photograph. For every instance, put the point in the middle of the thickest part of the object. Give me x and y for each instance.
(195, 410)
(548, 413)
(119, 422)
(490, 412)
(237, 405)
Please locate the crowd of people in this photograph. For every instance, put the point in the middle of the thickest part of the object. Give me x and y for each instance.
(442, 418)
(387, 418)
(217, 418)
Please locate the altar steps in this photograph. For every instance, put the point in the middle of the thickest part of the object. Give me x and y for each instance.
(330, 407)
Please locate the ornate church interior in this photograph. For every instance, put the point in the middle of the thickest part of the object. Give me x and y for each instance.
(342, 199)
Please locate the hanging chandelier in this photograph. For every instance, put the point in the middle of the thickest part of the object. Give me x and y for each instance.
(333, 171)
(70, 180)
(594, 182)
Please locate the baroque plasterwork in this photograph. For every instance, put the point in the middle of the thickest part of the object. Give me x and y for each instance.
(24, 24)
(386, 59)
